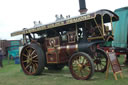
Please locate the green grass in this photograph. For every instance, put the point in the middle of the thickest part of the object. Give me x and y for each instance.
(11, 74)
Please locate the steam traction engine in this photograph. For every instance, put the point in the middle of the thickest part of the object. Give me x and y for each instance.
(73, 42)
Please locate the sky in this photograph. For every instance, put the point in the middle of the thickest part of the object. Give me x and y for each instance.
(18, 14)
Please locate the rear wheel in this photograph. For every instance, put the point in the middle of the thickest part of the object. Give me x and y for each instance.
(32, 59)
(81, 66)
(100, 61)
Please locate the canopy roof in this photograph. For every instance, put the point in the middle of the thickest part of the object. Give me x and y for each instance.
(85, 17)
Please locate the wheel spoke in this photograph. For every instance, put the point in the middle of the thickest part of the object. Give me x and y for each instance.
(35, 61)
(86, 71)
(80, 59)
(33, 52)
(77, 72)
(83, 61)
(30, 69)
(87, 64)
(36, 65)
(29, 52)
(102, 64)
(34, 56)
(24, 55)
(81, 73)
(25, 61)
(27, 66)
(33, 68)
(26, 50)
(103, 61)
(97, 67)
(101, 67)
(75, 66)
(77, 60)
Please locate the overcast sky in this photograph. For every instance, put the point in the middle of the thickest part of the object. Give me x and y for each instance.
(18, 14)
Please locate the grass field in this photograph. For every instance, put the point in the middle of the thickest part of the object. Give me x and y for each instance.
(12, 74)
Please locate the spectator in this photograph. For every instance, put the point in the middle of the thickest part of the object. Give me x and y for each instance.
(126, 59)
(1, 58)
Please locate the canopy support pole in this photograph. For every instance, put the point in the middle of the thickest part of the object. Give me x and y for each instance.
(102, 22)
(111, 25)
(98, 27)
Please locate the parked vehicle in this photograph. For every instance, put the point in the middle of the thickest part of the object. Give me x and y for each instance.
(71, 42)
(120, 42)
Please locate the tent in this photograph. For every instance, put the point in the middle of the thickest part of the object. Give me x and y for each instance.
(121, 28)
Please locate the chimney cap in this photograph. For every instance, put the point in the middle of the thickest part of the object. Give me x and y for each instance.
(83, 11)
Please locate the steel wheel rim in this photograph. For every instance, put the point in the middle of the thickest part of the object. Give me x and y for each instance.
(29, 60)
(81, 67)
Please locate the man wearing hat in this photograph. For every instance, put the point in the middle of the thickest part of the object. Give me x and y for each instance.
(1, 58)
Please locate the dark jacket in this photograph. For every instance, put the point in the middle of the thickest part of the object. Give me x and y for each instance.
(1, 55)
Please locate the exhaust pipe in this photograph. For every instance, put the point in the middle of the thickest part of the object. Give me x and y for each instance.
(83, 8)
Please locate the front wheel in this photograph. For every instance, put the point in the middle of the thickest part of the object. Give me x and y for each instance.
(81, 66)
(32, 59)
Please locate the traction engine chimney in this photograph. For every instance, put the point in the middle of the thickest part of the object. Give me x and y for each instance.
(83, 9)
